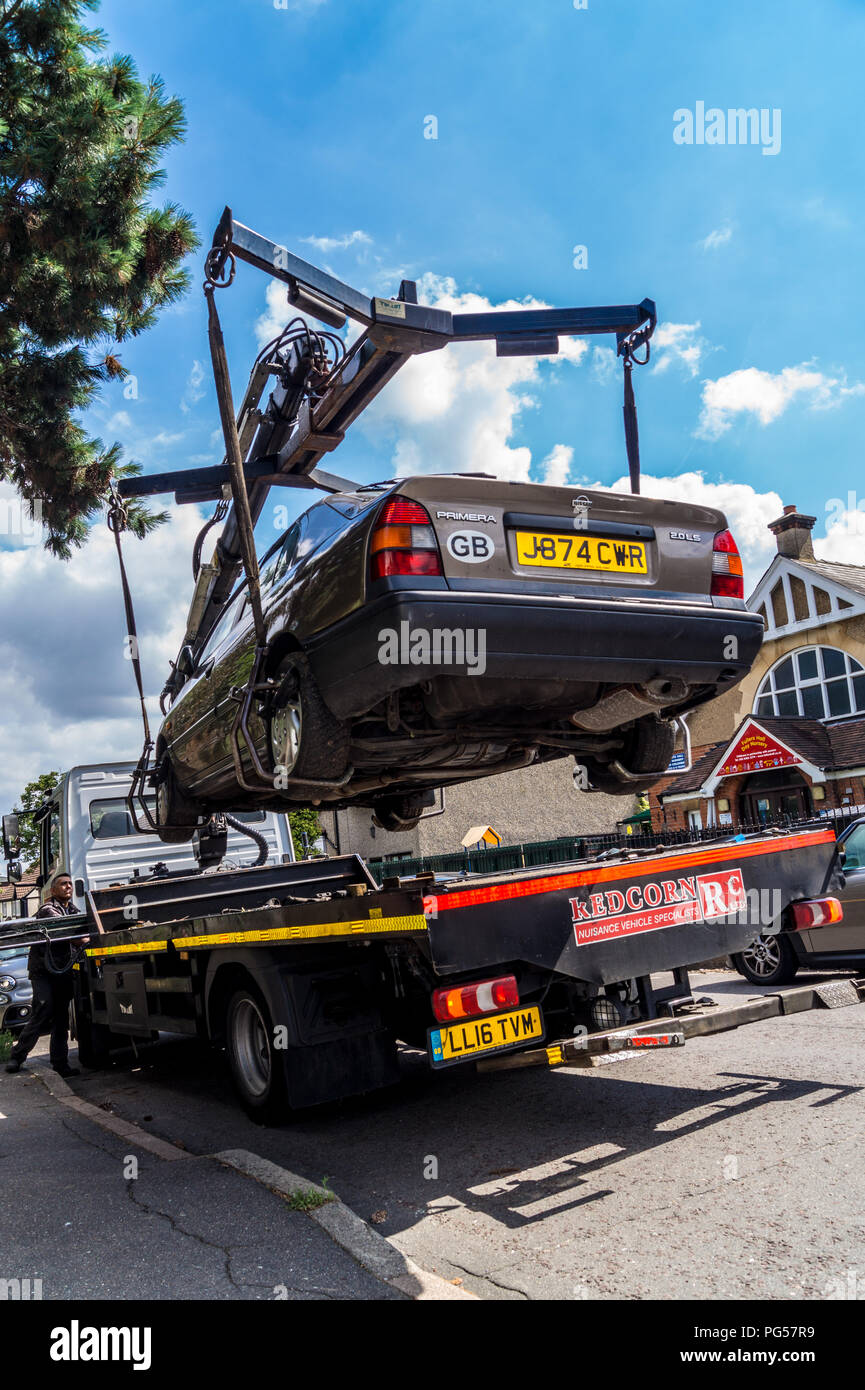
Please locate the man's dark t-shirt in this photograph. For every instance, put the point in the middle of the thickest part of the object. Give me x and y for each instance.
(61, 951)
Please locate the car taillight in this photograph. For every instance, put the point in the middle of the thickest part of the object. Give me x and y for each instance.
(403, 541)
(482, 998)
(727, 578)
(816, 912)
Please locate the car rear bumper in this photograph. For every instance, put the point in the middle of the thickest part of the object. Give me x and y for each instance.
(382, 647)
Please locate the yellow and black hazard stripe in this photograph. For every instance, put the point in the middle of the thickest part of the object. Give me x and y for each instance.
(316, 931)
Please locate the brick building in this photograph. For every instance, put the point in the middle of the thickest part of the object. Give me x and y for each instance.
(790, 739)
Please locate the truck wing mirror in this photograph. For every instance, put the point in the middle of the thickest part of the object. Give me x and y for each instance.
(11, 837)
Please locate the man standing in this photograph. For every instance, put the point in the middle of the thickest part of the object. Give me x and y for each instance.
(50, 970)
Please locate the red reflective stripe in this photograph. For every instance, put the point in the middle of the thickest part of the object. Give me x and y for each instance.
(525, 888)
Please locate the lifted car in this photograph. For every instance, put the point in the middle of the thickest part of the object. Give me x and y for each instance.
(441, 628)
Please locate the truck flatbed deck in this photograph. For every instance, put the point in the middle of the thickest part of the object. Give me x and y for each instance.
(309, 973)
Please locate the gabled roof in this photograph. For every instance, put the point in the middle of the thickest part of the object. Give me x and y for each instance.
(843, 585)
(820, 746)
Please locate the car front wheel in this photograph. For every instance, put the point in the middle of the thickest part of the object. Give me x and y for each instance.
(176, 815)
(769, 960)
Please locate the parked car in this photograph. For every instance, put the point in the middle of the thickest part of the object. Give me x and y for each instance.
(16, 991)
(437, 629)
(774, 959)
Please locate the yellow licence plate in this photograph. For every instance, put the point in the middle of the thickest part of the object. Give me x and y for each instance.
(554, 551)
(456, 1042)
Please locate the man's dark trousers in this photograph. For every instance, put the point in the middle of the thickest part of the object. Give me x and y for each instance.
(51, 996)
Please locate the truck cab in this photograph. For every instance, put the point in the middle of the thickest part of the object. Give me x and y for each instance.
(87, 829)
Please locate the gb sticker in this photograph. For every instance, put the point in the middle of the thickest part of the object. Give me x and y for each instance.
(471, 547)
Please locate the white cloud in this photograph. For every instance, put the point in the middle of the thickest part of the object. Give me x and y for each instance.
(119, 422)
(456, 410)
(194, 387)
(66, 689)
(557, 465)
(604, 362)
(844, 541)
(719, 237)
(767, 395)
(678, 342)
(326, 244)
(748, 511)
(164, 438)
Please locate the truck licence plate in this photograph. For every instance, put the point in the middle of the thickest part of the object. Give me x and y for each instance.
(577, 552)
(458, 1042)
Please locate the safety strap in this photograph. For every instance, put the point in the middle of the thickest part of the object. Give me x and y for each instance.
(629, 409)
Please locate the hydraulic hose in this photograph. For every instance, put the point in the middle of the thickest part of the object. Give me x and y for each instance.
(263, 847)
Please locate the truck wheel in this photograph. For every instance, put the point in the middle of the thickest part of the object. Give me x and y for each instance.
(173, 808)
(305, 739)
(256, 1068)
(94, 1042)
(769, 960)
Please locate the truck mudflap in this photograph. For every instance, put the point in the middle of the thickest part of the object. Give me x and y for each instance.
(616, 1044)
(606, 922)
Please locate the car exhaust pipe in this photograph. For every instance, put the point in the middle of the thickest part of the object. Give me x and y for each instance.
(627, 702)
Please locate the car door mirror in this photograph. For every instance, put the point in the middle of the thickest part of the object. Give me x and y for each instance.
(186, 661)
(11, 837)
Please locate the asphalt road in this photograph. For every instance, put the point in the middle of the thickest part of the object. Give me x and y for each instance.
(729, 1169)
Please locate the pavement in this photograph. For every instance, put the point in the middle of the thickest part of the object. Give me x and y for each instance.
(728, 1168)
(97, 1208)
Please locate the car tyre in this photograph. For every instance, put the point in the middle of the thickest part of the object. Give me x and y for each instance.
(648, 749)
(174, 811)
(769, 960)
(401, 813)
(255, 1064)
(304, 737)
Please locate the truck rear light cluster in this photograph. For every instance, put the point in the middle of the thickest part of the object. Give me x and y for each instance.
(727, 577)
(816, 912)
(484, 997)
(403, 541)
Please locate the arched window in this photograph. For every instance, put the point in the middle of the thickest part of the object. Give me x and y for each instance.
(813, 683)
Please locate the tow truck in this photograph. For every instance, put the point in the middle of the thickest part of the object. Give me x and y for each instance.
(309, 975)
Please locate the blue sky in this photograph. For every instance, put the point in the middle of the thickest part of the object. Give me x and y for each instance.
(555, 129)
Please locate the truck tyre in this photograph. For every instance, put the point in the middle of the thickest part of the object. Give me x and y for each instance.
(255, 1064)
(305, 739)
(648, 749)
(173, 808)
(94, 1042)
(769, 960)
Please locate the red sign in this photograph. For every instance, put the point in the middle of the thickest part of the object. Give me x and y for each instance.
(611, 913)
(754, 752)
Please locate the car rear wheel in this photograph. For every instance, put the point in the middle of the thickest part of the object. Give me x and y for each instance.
(305, 739)
(648, 749)
(400, 813)
(176, 815)
(255, 1064)
(769, 960)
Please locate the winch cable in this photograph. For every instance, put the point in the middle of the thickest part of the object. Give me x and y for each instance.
(239, 494)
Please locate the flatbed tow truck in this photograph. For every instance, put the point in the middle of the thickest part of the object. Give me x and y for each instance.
(308, 974)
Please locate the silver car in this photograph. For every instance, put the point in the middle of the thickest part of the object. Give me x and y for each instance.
(16, 991)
